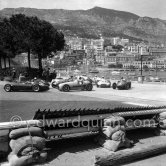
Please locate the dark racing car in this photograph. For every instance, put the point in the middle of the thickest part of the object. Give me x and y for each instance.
(122, 84)
(35, 85)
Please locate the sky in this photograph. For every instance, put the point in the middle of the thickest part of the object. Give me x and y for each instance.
(150, 8)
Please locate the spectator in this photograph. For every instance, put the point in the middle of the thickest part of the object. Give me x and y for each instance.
(54, 74)
(13, 73)
(44, 74)
(26, 74)
(48, 75)
(122, 79)
(71, 78)
(95, 78)
(20, 78)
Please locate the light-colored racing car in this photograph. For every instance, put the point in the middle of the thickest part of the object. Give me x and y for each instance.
(55, 82)
(103, 84)
(76, 85)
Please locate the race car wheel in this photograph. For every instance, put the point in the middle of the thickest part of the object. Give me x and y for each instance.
(127, 86)
(114, 85)
(89, 87)
(66, 88)
(54, 86)
(7, 87)
(36, 88)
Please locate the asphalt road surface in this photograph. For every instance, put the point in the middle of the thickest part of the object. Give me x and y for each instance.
(25, 104)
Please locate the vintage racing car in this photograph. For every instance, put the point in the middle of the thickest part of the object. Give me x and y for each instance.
(55, 82)
(103, 84)
(35, 85)
(76, 84)
(121, 84)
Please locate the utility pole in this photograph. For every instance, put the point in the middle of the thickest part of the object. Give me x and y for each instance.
(156, 68)
(141, 65)
(141, 53)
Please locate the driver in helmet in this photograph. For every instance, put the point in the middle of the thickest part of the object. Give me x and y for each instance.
(102, 79)
(80, 80)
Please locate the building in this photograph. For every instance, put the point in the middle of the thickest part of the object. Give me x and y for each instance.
(97, 44)
(100, 57)
(133, 48)
(75, 43)
(137, 64)
(115, 40)
(153, 64)
(158, 52)
(120, 58)
(138, 48)
(123, 42)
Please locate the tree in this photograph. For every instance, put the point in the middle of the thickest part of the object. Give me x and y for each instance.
(24, 25)
(118, 47)
(119, 65)
(29, 34)
(111, 66)
(8, 40)
(46, 39)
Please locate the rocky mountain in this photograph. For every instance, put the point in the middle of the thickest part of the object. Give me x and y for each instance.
(95, 21)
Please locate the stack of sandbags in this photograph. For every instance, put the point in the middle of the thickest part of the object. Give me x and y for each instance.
(161, 130)
(27, 146)
(4, 143)
(113, 135)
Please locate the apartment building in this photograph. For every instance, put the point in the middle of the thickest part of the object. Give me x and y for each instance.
(97, 44)
(120, 58)
(100, 57)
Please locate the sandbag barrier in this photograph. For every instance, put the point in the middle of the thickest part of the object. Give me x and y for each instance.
(112, 135)
(27, 146)
(30, 140)
(161, 127)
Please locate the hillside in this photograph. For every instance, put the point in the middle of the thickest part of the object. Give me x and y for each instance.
(95, 21)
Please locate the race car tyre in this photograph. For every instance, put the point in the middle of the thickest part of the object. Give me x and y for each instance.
(22, 143)
(36, 88)
(66, 88)
(127, 86)
(54, 86)
(114, 85)
(7, 87)
(89, 87)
